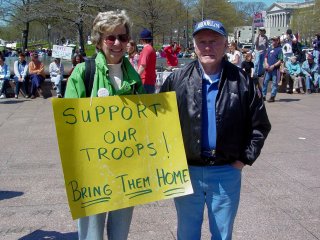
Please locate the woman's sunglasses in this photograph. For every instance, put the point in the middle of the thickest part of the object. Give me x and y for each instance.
(112, 38)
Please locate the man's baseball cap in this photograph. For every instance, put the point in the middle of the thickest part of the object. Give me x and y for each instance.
(215, 26)
(310, 56)
(146, 34)
(262, 29)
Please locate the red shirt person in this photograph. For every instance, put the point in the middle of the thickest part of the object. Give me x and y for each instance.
(171, 54)
(147, 62)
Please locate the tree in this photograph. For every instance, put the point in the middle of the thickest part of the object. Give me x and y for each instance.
(248, 9)
(220, 10)
(20, 13)
(151, 14)
(303, 22)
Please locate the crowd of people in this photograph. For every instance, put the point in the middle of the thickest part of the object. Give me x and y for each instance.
(281, 61)
(29, 76)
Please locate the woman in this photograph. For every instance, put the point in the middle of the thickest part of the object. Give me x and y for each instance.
(133, 54)
(235, 55)
(4, 77)
(37, 75)
(56, 71)
(114, 75)
(20, 69)
(76, 59)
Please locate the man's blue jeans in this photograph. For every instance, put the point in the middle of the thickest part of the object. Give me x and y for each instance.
(118, 224)
(25, 86)
(218, 187)
(274, 76)
(36, 81)
(258, 63)
(310, 83)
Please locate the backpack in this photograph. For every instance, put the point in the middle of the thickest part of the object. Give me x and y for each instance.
(90, 70)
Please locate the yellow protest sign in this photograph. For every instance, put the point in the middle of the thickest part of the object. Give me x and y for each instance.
(120, 151)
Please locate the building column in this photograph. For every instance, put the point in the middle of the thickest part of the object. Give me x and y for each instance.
(273, 20)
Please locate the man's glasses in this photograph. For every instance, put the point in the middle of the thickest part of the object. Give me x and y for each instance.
(109, 40)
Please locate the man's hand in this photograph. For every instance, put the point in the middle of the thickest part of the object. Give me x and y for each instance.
(238, 164)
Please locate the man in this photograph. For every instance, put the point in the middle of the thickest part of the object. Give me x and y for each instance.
(310, 70)
(272, 63)
(171, 54)
(147, 62)
(37, 75)
(224, 125)
(293, 77)
(316, 48)
(286, 41)
(316, 42)
(261, 46)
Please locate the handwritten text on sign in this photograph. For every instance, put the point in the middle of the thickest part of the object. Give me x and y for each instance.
(62, 52)
(121, 151)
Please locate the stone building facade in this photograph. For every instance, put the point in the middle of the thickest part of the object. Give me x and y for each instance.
(279, 16)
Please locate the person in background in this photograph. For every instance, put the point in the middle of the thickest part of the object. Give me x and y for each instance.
(56, 71)
(316, 42)
(310, 70)
(26, 52)
(224, 125)
(234, 55)
(316, 48)
(114, 75)
(20, 69)
(171, 54)
(76, 59)
(248, 65)
(37, 75)
(272, 62)
(294, 76)
(261, 47)
(286, 40)
(133, 54)
(4, 77)
(186, 53)
(297, 50)
(147, 62)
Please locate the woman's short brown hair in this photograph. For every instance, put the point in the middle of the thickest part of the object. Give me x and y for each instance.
(108, 21)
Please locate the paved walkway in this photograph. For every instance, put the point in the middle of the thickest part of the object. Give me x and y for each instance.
(280, 195)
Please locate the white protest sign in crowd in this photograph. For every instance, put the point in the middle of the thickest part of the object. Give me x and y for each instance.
(62, 52)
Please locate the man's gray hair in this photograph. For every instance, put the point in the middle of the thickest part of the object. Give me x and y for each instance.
(107, 22)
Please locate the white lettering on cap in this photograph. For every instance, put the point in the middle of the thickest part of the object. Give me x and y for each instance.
(209, 24)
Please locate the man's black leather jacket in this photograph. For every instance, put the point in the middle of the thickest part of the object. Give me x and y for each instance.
(241, 119)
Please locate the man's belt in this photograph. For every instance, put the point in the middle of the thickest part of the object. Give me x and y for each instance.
(208, 158)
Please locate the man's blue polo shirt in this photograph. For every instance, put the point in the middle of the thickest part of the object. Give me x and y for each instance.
(210, 85)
